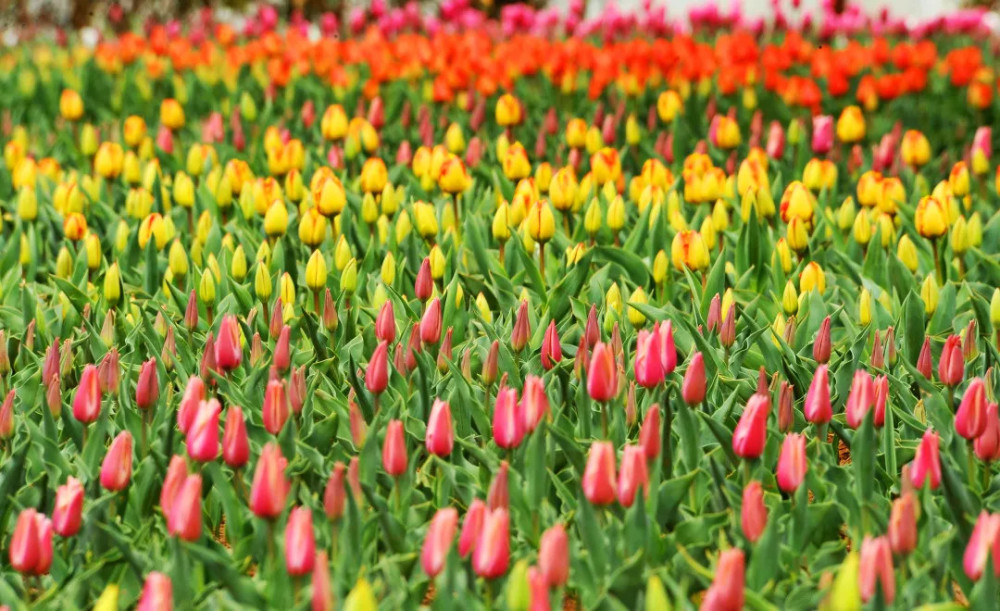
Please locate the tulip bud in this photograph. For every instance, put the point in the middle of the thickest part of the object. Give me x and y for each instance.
(203, 434)
(551, 349)
(876, 569)
(116, 470)
(553, 556)
(750, 433)
(926, 464)
(492, 552)
(633, 475)
(903, 524)
(521, 331)
(300, 542)
(438, 541)
(599, 481)
(951, 366)
(439, 438)
(987, 445)
(270, 486)
(87, 402)
(726, 591)
(693, 386)
(394, 459)
(982, 545)
(68, 509)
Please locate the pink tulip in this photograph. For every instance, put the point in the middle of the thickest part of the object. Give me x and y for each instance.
(377, 373)
(322, 589)
(750, 433)
(439, 437)
(228, 352)
(385, 323)
(649, 433)
(276, 410)
(753, 512)
(903, 524)
(283, 350)
(726, 591)
(471, 526)
(599, 482)
(792, 465)
(983, 544)
(987, 445)
(116, 470)
(602, 375)
(438, 541)
(157, 593)
(534, 403)
(876, 569)
(176, 475)
(551, 350)
(270, 487)
(68, 511)
(822, 136)
(194, 394)
(925, 364)
(430, 324)
(300, 542)
(970, 419)
(521, 331)
(649, 359)
(147, 389)
(951, 366)
(860, 399)
(553, 556)
(184, 517)
(203, 436)
(87, 402)
(394, 459)
(235, 443)
(335, 494)
(927, 462)
(693, 387)
(817, 406)
(507, 422)
(633, 475)
(492, 553)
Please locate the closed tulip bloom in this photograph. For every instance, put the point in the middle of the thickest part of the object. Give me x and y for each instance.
(235, 443)
(649, 432)
(203, 436)
(228, 352)
(68, 511)
(792, 464)
(860, 399)
(270, 486)
(87, 402)
(987, 445)
(508, 430)
(903, 524)
(438, 540)
(385, 323)
(423, 286)
(753, 512)
(25, 549)
(553, 556)
(821, 345)
(157, 593)
(983, 544)
(322, 589)
(7, 411)
(377, 372)
(817, 407)
(648, 359)
(498, 494)
(726, 591)
(926, 465)
(881, 388)
(599, 483)
(925, 364)
(276, 409)
(668, 353)
(335, 494)
(750, 433)
(439, 437)
(194, 394)
(184, 517)
(394, 459)
(551, 349)
(534, 403)
(693, 387)
(430, 324)
(970, 419)
(633, 475)
(951, 366)
(282, 349)
(602, 375)
(822, 136)
(147, 389)
(116, 470)
(492, 553)
(521, 330)
(876, 569)
(300, 542)
(471, 527)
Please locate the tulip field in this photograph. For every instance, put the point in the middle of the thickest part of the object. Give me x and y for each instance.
(527, 312)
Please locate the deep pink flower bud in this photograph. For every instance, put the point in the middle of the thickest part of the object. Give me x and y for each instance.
(377, 372)
(727, 332)
(775, 146)
(649, 432)
(903, 524)
(300, 542)
(439, 437)
(983, 544)
(203, 436)
(50, 366)
(157, 593)
(693, 387)
(116, 470)
(817, 407)
(404, 154)
(31, 543)
(228, 352)
(714, 313)
(971, 419)
(358, 425)
(335, 494)
(881, 388)
(176, 474)
(753, 512)
(876, 569)
(87, 402)
(438, 540)
(276, 410)
(491, 364)
(508, 430)
(926, 464)
(394, 449)
(471, 527)
(822, 136)
(649, 359)
(726, 591)
(7, 416)
(987, 445)
(235, 443)
(553, 556)
(423, 287)
(633, 475)
(194, 394)
(68, 511)
(297, 388)
(786, 401)
(385, 323)
(522, 329)
(860, 399)
(534, 403)
(322, 589)
(599, 480)
(821, 345)
(492, 553)
(551, 349)
(792, 464)
(147, 389)
(270, 487)
(430, 324)
(951, 366)
(925, 363)
(282, 350)
(184, 517)
(750, 433)
(602, 376)
(591, 331)
(668, 353)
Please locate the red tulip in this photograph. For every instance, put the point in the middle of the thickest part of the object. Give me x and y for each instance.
(50, 366)
(649, 432)
(184, 517)
(499, 493)
(297, 389)
(753, 513)
(235, 443)
(423, 287)
(987, 445)
(7, 414)
(750, 433)
(970, 419)
(551, 349)
(507, 423)
(821, 345)
(786, 401)
(984, 543)
(430, 324)
(492, 553)
(176, 475)
(300, 542)
(951, 366)
(322, 589)
(599, 483)
(194, 394)
(726, 591)
(116, 470)
(439, 437)
(792, 464)
(714, 318)
(591, 331)
(925, 364)
(276, 411)
(335, 495)
(668, 353)
(87, 402)
(881, 388)
(534, 402)
(521, 331)
(471, 526)
(394, 449)
(157, 593)
(693, 387)
(147, 389)
(270, 487)
(377, 373)
(203, 436)
(775, 140)
(876, 569)
(649, 359)
(491, 364)
(228, 352)
(31, 543)
(927, 462)
(283, 350)
(860, 399)
(602, 375)
(822, 136)
(438, 540)
(385, 323)
(633, 475)
(68, 511)
(727, 332)
(553, 556)
(817, 407)
(903, 524)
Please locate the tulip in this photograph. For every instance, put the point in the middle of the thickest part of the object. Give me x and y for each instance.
(970, 419)
(983, 544)
(688, 249)
(276, 411)
(522, 330)
(335, 495)
(430, 324)
(491, 363)
(438, 540)
(439, 438)
(792, 463)
(300, 542)
(822, 136)
(7, 413)
(235, 443)
(394, 449)
(987, 445)
(116, 470)
(649, 433)
(553, 556)
(377, 372)
(176, 475)
(693, 387)
(31, 543)
(926, 464)
(424, 284)
(157, 593)
(924, 363)
(270, 487)
(203, 436)
(750, 433)
(534, 403)
(68, 510)
(184, 517)
(228, 352)
(322, 589)
(649, 359)
(492, 553)
(602, 375)
(194, 394)
(551, 349)
(599, 483)
(508, 430)
(471, 527)
(860, 399)
(903, 524)
(951, 366)
(147, 389)
(87, 402)
(726, 591)
(817, 406)
(753, 513)
(786, 400)
(633, 475)
(282, 349)
(385, 323)
(881, 388)
(876, 569)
